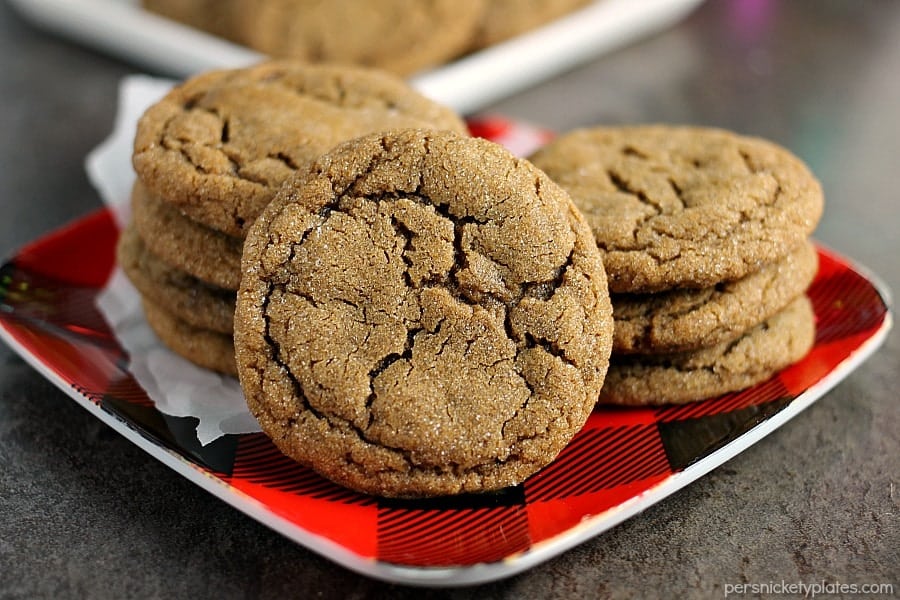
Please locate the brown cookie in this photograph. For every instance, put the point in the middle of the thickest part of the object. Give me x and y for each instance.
(187, 298)
(401, 36)
(504, 19)
(684, 377)
(220, 145)
(422, 313)
(207, 254)
(687, 319)
(212, 16)
(684, 206)
(204, 348)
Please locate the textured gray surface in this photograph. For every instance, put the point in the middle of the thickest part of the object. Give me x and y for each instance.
(83, 513)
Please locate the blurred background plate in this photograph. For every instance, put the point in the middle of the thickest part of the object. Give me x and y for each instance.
(123, 29)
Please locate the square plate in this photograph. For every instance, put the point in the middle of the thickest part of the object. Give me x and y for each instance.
(123, 29)
(624, 460)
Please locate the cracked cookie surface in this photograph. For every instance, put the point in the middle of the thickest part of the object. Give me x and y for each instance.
(220, 145)
(682, 377)
(687, 319)
(684, 206)
(422, 314)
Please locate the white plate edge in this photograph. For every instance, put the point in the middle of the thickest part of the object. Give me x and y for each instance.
(125, 30)
(481, 573)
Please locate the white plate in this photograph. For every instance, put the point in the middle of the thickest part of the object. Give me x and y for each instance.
(123, 29)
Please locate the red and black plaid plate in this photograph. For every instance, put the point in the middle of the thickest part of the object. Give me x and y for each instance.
(623, 460)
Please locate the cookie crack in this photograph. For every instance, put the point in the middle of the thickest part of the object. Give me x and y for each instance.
(285, 159)
(544, 290)
(679, 193)
(225, 136)
(633, 152)
(748, 161)
(183, 144)
(407, 234)
(385, 363)
(339, 194)
(622, 185)
(333, 421)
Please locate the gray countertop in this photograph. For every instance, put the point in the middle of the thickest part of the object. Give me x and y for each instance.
(85, 514)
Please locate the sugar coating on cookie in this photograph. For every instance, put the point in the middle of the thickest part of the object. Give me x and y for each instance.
(687, 319)
(220, 145)
(421, 314)
(179, 293)
(684, 206)
(207, 254)
(682, 377)
(202, 347)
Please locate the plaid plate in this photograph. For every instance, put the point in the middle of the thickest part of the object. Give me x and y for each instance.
(621, 462)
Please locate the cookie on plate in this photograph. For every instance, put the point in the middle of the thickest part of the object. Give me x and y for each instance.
(217, 17)
(674, 207)
(220, 145)
(400, 36)
(683, 377)
(504, 19)
(422, 314)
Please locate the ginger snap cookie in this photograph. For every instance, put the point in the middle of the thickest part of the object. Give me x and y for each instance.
(688, 319)
(221, 144)
(204, 348)
(684, 206)
(422, 314)
(400, 36)
(207, 254)
(504, 19)
(217, 17)
(676, 378)
(180, 294)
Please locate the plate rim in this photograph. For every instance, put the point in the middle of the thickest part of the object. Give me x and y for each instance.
(466, 575)
(125, 30)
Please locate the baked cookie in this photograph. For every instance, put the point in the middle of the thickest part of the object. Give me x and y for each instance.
(212, 16)
(220, 145)
(400, 36)
(207, 254)
(204, 348)
(684, 377)
(687, 319)
(684, 206)
(184, 296)
(504, 19)
(421, 314)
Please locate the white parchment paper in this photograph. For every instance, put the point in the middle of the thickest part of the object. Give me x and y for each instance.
(178, 387)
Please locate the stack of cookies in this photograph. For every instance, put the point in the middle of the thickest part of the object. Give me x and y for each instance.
(704, 235)
(415, 312)
(211, 155)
